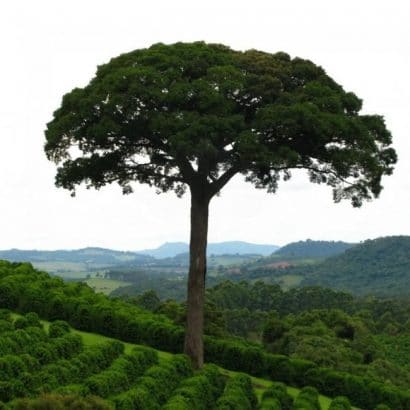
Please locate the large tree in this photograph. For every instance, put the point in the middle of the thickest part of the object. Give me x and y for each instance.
(194, 115)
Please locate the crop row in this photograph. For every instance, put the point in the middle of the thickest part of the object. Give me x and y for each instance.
(136, 380)
(25, 289)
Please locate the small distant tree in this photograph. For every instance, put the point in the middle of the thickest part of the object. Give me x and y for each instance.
(192, 116)
(148, 300)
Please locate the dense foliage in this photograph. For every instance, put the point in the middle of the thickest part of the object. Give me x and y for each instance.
(379, 267)
(312, 249)
(25, 289)
(362, 336)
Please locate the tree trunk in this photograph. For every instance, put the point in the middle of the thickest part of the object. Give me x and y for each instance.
(193, 345)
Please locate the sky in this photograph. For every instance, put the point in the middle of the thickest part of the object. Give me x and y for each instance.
(49, 47)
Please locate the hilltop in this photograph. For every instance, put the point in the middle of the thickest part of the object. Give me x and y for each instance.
(380, 267)
(172, 249)
(312, 249)
(80, 262)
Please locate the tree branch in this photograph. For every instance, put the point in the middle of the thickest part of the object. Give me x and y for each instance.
(219, 183)
(186, 169)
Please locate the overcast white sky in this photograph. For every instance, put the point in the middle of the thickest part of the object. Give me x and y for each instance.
(50, 47)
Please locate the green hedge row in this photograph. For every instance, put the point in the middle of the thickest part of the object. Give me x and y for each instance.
(361, 391)
(340, 403)
(238, 394)
(307, 399)
(122, 372)
(25, 289)
(198, 392)
(26, 347)
(276, 397)
(156, 385)
(11, 366)
(46, 378)
(89, 361)
(20, 341)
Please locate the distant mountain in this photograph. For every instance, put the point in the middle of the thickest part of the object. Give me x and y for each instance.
(241, 248)
(99, 256)
(166, 250)
(313, 249)
(379, 267)
(171, 249)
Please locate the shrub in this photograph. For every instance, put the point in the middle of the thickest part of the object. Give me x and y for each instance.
(58, 328)
(67, 345)
(307, 399)
(137, 398)
(340, 403)
(21, 323)
(156, 385)
(238, 394)
(11, 389)
(33, 319)
(5, 326)
(198, 392)
(5, 314)
(278, 392)
(270, 404)
(72, 389)
(178, 402)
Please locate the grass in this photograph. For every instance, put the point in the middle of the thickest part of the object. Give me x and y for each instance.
(228, 260)
(105, 286)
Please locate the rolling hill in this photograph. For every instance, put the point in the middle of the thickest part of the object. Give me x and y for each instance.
(171, 249)
(89, 255)
(76, 264)
(312, 249)
(380, 267)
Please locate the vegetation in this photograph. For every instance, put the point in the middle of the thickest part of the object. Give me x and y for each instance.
(70, 366)
(195, 115)
(379, 267)
(106, 286)
(95, 262)
(366, 337)
(195, 390)
(312, 249)
(86, 255)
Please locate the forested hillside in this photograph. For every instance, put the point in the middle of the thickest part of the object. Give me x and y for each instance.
(312, 249)
(379, 267)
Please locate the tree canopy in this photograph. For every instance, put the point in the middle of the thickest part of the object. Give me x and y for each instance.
(196, 114)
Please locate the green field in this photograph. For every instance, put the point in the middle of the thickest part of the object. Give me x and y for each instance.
(227, 260)
(105, 286)
(69, 270)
